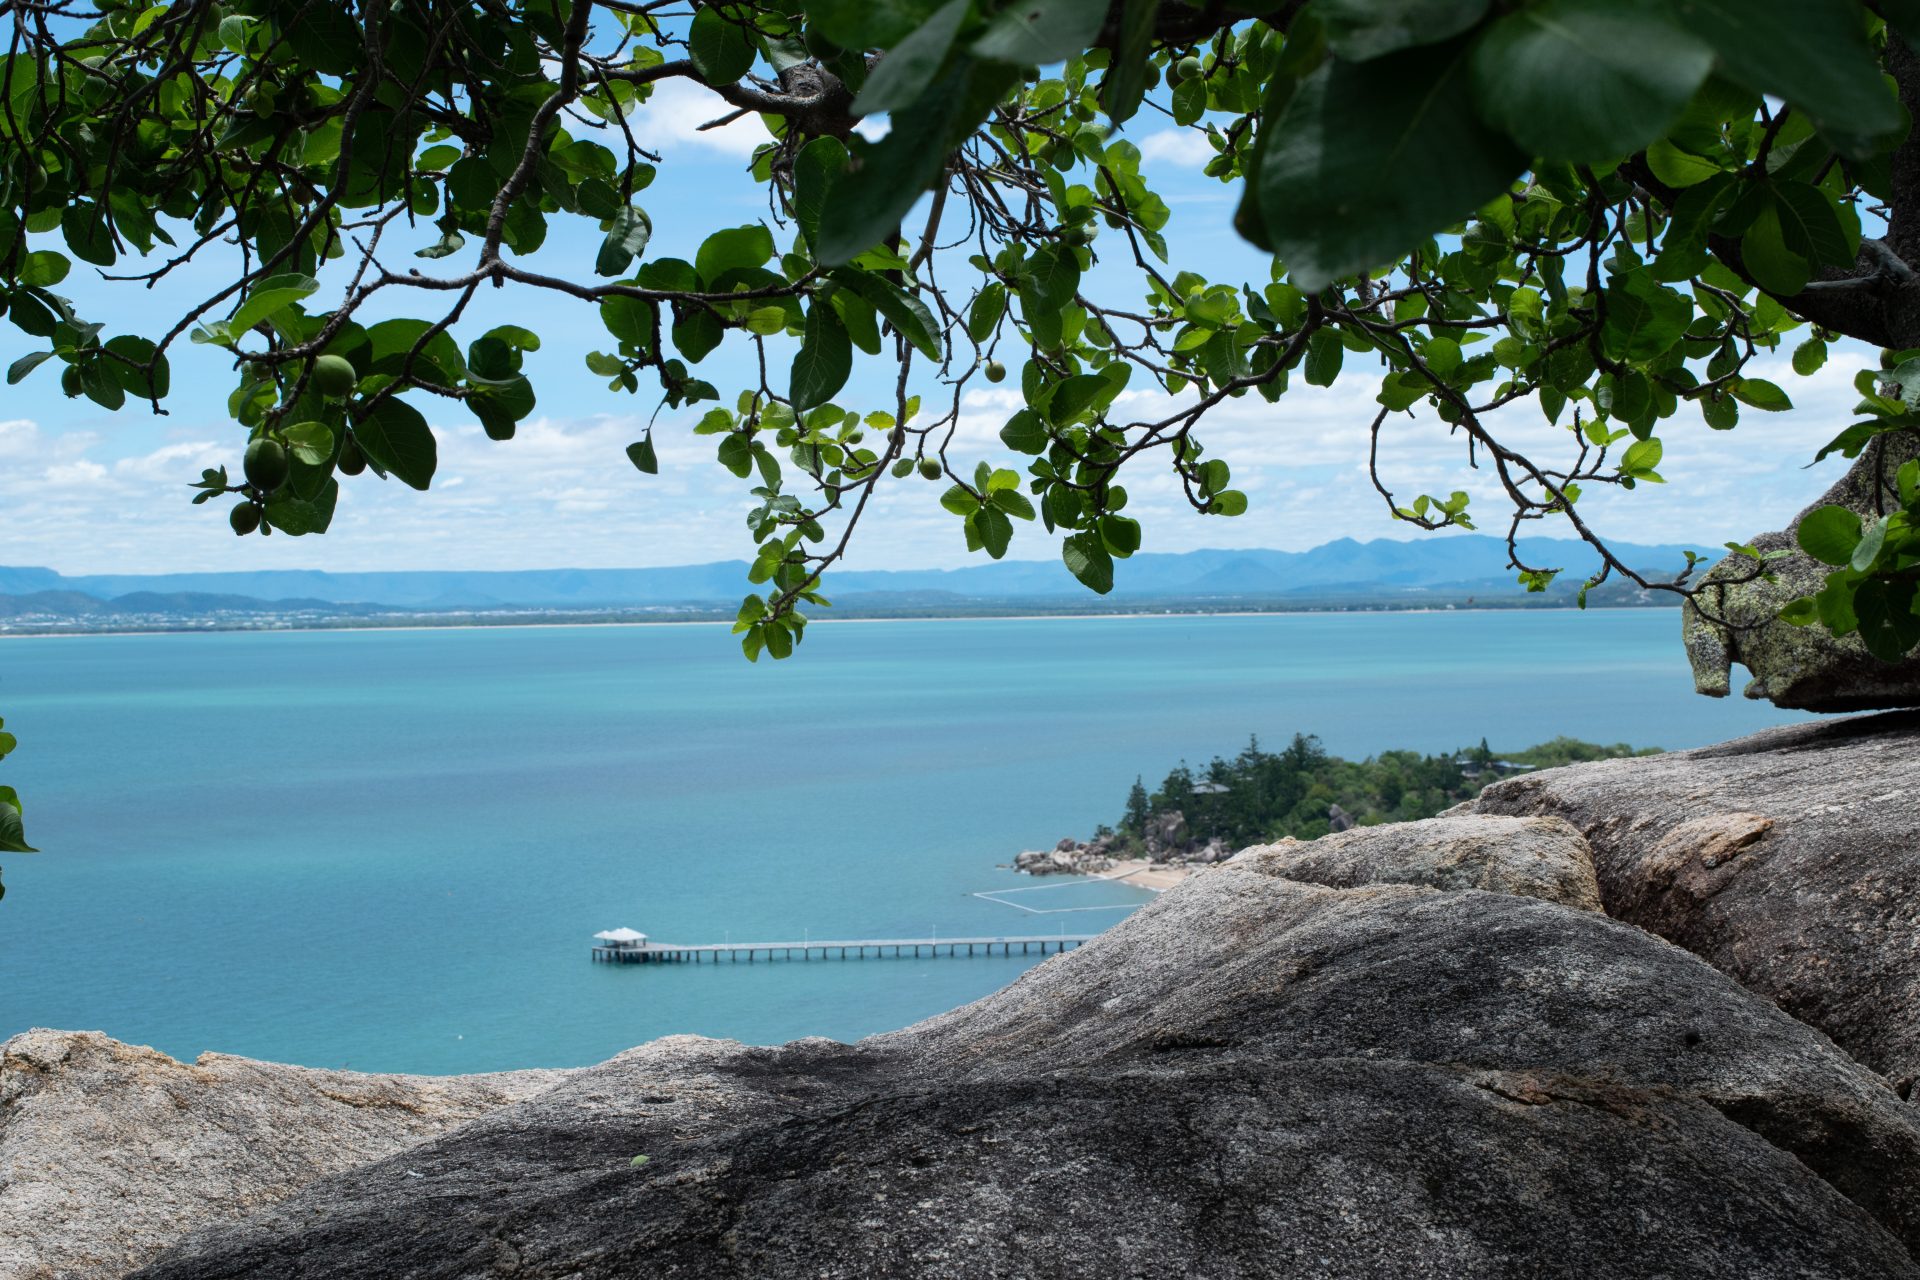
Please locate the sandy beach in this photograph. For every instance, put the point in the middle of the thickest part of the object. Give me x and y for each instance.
(1145, 874)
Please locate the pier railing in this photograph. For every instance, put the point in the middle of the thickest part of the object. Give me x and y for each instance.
(848, 949)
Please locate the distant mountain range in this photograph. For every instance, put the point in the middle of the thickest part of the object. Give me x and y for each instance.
(1346, 573)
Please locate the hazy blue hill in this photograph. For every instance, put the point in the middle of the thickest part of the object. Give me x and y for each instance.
(1344, 569)
(22, 582)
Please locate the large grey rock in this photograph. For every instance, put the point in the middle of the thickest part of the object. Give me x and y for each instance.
(1804, 668)
(1537, 857)
(110, 1152)
(1251, 1076)
(1789, 859)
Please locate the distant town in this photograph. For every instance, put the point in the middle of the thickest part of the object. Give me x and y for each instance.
(1345, 576)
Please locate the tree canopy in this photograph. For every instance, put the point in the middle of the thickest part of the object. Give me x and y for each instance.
(1602, 211)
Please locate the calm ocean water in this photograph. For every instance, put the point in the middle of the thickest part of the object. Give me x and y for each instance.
(387, 850)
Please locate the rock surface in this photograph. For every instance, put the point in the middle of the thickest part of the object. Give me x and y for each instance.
(1789, 859)
(1251, 1076)
(1804, 668)
(1538, 857)
(110, 1152)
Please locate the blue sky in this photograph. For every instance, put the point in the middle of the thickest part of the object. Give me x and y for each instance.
(87, 491)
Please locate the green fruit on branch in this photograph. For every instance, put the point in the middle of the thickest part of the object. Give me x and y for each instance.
(266, 464)
(996, 372)
(352, 461)
(244, 518)
(333, 377)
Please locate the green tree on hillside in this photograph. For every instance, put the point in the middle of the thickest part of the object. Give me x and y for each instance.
(1603, 210)
(1272, 795)
(1134, 820)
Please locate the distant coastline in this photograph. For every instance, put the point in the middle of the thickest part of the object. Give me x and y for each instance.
(1025, 612)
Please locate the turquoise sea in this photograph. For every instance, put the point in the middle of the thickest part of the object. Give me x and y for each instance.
(388, 850)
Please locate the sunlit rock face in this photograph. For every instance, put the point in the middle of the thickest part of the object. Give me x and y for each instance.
(1404, 1072)
(1801, 668)
(1790, 860)
(111, 1152)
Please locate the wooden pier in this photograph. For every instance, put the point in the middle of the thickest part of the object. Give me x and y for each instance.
(650, 952)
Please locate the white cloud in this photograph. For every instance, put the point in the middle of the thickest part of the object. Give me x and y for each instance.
(1187, 148)
(672, 117)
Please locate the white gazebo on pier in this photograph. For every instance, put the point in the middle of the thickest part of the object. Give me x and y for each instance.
(620, 939)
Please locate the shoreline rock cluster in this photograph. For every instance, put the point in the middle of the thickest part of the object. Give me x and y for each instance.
(1166, 845)
(1658, 1016)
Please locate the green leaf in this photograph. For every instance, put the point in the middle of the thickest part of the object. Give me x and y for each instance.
(868, 24)
(1809, 357)
(44, 268)
(1587, 80)
(1125, 86)
(1087, 559)
(825, 358)
(1189, 101)
(1370, 157)
(1813, 53)
(310, 442)
(1025, 432)
(13, 837)
(1640, 459)
(85, 228)
(910, 66)
(1888, 625)
(296, 516)
(696, 332)
(1120, 535)
(1644, 318)
(1325, 355)
(449, 243)
(906, 313)
(1013, 502)
(325, 38)
(131, 369)
(626, 240)
(1767, 259)
(1677, 168)
(816, 171)
(1761, 394)
(734, 249)
(500, 408)
(1078, 395)
(1362, 29)
(1810, 225)
(1829, 534)
(994, 529)
(871, 198)
(641, 454)
(268, 298)
(722, 50)
(1871, 541)
(1038, 32)
(628, 319)
(988, 306)
(27, 363)
(396, 439)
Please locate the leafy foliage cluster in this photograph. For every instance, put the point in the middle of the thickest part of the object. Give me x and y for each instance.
(1271, 795)
(1601, 210)
(13, 837)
